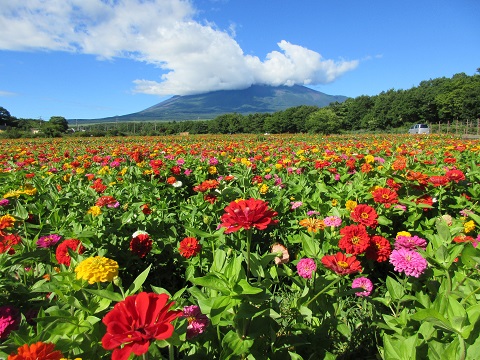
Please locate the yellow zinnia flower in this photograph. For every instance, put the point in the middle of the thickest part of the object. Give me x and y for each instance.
(403, 233)
(97, 269)
(94, 210)
(469, 226)
(263, 189)
(312, 224)
(350, 205)
(212, 170)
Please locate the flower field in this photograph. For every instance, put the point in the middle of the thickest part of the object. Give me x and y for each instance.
(240, 247)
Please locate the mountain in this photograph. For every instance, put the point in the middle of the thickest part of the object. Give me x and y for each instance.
(255, 99)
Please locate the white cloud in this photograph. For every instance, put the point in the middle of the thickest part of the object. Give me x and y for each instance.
(7, 93)
(193, 57)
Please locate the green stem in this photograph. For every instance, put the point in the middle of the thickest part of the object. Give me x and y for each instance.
(171, 352)
(249, 243)
(323, 290)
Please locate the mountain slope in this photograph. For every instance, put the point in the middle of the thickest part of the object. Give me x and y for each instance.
(255, 99)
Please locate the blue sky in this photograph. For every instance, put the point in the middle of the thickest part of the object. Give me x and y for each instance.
(97, 58)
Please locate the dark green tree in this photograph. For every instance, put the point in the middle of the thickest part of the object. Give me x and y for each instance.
(60, 123)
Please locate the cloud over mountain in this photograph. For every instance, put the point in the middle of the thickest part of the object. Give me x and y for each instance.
(193, 56)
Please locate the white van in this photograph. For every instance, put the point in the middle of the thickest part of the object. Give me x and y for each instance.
(419, 129)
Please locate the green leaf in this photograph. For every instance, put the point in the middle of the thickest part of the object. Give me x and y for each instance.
(244, 288)
(434, 317)
(395, 289)
(470, 255)
(138, 282)
(106, 294)
(212, 281)
(310, 246)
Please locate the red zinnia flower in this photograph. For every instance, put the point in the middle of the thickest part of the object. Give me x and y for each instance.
(98, 186)
(342, 264)
(210, 198)
(39, 350)
(62, 255)
(135, 321)
(189, 247)
(385, 196)
(455, 175)
(365, 214)
(425, 199)
(437, 181)
(379, 249)
(206, 185)
(355, 239)
(109, 201)
(146, 209)
(7, 241)
(141, 244)
(247, 214)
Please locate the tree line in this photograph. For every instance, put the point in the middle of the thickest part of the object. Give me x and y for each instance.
(441, 100)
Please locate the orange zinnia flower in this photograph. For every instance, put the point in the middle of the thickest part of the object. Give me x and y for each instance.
(189, 247)
(6, 221)
(39, 350)
(385, 196)
(312, 224)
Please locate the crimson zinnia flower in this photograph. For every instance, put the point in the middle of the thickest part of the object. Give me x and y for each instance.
(141, 244)
(355, 239)
(342, 264)
(439, 180)
(455, 175)
(39, 350)
(365, 214)
(135, 321)
(189, 247)
(379, 249)
(62, 255)
(247, 214)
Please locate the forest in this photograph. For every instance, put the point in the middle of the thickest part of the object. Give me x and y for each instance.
(441, 101)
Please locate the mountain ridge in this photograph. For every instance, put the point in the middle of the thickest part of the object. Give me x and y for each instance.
(254, 99)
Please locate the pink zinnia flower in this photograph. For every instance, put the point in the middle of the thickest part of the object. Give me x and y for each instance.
(306, 267)
(9, 320)
(410, 242)
(48, 240)
(364, 283)
(197, 322)
(4, 202)
(408, 261)
(334, 221)
(295, 204)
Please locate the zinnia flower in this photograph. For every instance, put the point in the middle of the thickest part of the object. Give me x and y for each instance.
(455, 175)
(468, 226)
(6, 221)
(48, 240)
(108, 201)
(4, 202)
(379, 249)
(9, 320)
(284, 256)
(97, 269)
(312, 224)
(247, 214)
(197, 322)
(364, 283)
(410, 242)
(189, 247)
(355, 239)
(385, 196)
(306, 267)
(7, 241)
(342, 264)
(36, 351)
(135, 321)
(62, 255)
(141, 243)
(365, 214)
(408, 261)
(333, 221)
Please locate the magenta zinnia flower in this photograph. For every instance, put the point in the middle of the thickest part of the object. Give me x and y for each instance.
(306, 267)
(48, 240)
(408, 261)
(9, 320)
(364, 283)
(197, 322)
(410, 242)
(247, 214)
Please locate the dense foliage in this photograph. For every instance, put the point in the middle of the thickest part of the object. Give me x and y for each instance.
(240, 247)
